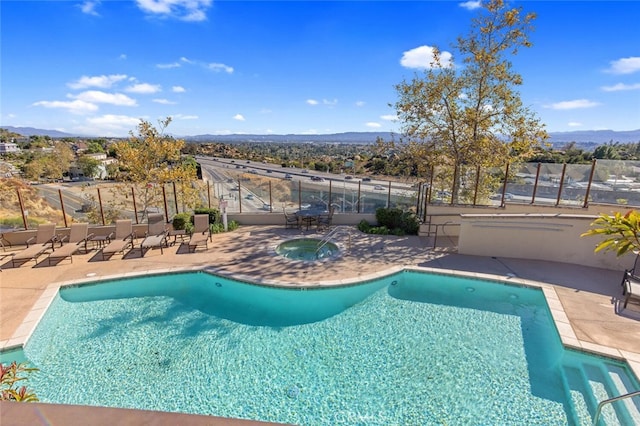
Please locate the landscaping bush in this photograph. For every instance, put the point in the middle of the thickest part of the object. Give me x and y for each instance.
(214, 214)
(181, 220)
(364, 226)
(218, 228)
(392, 221)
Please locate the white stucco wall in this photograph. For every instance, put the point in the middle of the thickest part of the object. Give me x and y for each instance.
(536, 236)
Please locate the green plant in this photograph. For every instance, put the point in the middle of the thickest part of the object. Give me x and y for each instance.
(398, 222)
(10, 375)
(214, 214)
(218, 228)
(621, 232)
(181, 220)
(364, 226)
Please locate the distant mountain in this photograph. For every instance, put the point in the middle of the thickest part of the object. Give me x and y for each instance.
(585, 139)
(30, 131)
(598, 137)
(348, 137)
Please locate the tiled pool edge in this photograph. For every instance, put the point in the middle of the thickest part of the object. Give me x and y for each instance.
(561, 320)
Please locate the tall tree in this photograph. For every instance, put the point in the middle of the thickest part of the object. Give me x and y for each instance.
(152, 159)
(472, 115)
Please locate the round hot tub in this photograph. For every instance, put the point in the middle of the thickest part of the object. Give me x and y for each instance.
(309, 249)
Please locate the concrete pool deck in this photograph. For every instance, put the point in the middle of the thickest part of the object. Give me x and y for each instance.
(588, 302)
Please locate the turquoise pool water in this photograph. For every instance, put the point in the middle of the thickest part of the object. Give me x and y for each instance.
(409, 349)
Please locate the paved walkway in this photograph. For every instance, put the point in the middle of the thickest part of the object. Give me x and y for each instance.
(590, 297)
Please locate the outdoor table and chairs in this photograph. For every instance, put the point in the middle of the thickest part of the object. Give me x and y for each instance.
(309, 216)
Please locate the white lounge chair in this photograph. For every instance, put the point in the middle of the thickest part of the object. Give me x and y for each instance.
(43, 241)
(121, 240)
(78, 237)
(201, 232)
(156, 235)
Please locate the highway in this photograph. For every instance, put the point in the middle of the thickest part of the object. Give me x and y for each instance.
(224, 175)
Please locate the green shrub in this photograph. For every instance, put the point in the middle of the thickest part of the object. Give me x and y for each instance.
(181, 220)
(364, 226)
(214, 214)
(397, 221)
(389, 217)
(218, 228)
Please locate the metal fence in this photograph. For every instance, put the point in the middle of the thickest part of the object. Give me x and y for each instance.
(605, 181)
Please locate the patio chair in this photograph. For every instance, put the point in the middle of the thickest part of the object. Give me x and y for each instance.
(325, 220)
(156, 235)
(121, 240)
(78, 237)
(201, 232)
(43, 241)
(631, 289)
(630, 273)
(290, 221)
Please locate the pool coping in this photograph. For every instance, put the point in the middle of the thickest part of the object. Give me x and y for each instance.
(562, 323)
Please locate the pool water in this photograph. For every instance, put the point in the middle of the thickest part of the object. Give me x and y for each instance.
(412, 348)
(308, 249)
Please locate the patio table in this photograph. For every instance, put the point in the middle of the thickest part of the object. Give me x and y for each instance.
(308, 216)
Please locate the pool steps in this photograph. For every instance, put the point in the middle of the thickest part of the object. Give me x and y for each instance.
(587, 385)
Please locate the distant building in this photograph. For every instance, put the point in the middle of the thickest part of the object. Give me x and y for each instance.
(8, 147)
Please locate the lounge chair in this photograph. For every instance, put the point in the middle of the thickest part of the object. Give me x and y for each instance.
(201, 232)
(43, 241)
(156, 235)
(78, 237)
(121, 240)
(291, 221)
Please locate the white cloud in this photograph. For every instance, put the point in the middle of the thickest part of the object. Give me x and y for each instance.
(167, 66)
(389, 117)
(111, 125)
(163, 101)
(620, 87)
(122, 57)
(330, 102)
(373, 125)
(574, 124)
(360, 103)
(101, 81)
(625, 65)
(238, 117)
(76, 107)
(89, 7)
(178, 89)
(184, 10)
(312, 102)
(185, 117)
(471, 4)
(575, 104)
(423, 57)
(144, 88)
(96, 96)
(220, 67)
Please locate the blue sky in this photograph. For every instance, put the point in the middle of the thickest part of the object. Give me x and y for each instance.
(219, 67)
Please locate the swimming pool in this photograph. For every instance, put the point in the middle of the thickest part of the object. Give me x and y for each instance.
(410, 348)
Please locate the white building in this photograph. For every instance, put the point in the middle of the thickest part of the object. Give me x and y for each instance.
(8, 147)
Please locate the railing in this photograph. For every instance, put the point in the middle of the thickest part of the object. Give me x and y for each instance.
(609, 401)
(325, 240)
